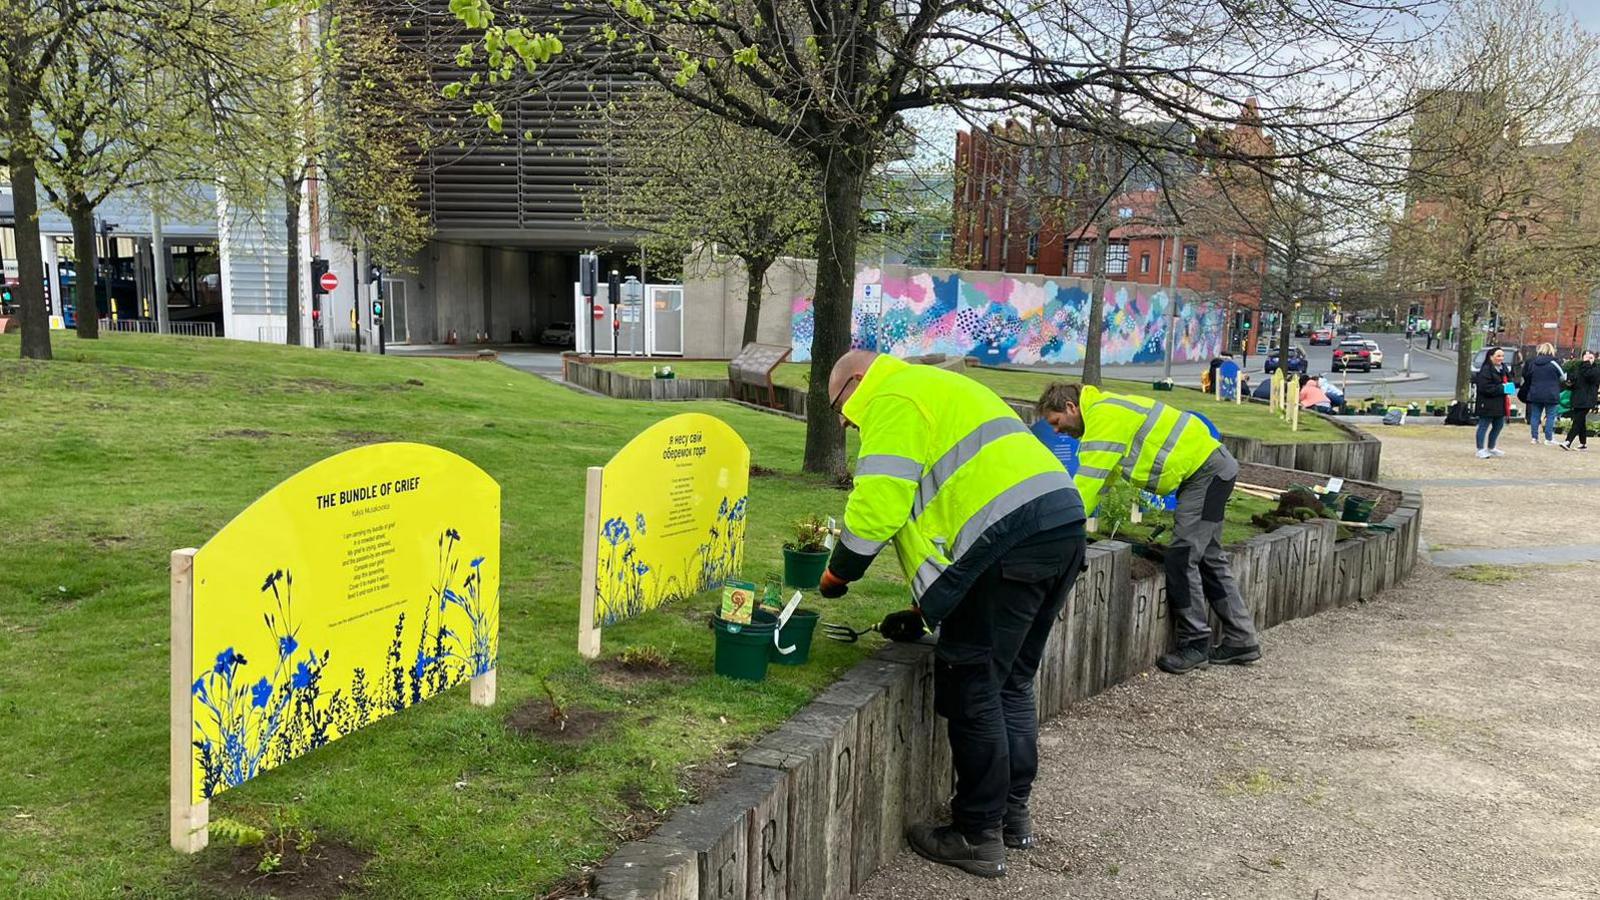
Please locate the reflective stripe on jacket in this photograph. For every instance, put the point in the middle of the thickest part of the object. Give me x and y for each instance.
(1153, 445)
(942, 460)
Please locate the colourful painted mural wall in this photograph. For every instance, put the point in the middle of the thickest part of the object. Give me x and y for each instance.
(1014, 319)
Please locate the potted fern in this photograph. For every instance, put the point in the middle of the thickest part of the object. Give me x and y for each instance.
(805, 555)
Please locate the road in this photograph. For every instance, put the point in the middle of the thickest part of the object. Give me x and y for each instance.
(1432, 374)
(1437, 743)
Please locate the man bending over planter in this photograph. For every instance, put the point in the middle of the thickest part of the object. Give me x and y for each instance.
(1159, 449)
(989, 531)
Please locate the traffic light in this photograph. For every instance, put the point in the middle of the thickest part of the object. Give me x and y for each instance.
(5, 295)
(614, 288)
(377, 309)
(319, 268)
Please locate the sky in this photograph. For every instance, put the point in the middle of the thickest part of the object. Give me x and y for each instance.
(1587, 11)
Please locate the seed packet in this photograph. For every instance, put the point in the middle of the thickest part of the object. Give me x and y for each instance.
(738, 601)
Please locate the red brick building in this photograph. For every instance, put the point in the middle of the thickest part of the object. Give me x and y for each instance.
(1015, 212)
(1550, 196)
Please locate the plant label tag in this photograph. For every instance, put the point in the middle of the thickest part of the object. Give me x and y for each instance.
(1335, 485)
(831, 537)
(738, 601)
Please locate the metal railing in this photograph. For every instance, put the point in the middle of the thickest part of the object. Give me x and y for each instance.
(148, 326)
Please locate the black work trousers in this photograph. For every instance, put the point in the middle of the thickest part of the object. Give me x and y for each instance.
(984, 665)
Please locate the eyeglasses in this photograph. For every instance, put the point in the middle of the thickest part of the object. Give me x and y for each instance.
(840, 396)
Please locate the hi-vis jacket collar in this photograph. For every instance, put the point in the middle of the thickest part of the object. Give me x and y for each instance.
(871, 383)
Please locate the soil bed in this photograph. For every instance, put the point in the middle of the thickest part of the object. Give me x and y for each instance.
(1272, 477)
(533, 718)
(326, 869)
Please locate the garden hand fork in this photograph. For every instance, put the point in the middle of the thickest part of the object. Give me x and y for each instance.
(844, 633)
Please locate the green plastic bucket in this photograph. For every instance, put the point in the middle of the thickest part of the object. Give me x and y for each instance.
(802, 569)
(795, 633)
(742, 649)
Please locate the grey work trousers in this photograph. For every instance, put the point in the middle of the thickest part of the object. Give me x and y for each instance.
(1197, 566)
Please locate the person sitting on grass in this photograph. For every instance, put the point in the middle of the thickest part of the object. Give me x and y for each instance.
(1312, 396)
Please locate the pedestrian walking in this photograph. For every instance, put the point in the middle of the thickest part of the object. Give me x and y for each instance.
(1542, 377)
(1493, 382)
(990, 534)
(1162, 449)
(1585, 389)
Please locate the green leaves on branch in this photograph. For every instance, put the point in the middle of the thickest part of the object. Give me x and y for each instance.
(472, 13)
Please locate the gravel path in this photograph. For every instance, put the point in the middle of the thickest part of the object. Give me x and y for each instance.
(1442, 742)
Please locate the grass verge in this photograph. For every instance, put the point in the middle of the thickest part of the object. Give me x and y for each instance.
(123, 449)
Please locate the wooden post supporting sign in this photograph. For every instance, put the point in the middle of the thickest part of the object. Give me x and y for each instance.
(588, 627)
(189, 820)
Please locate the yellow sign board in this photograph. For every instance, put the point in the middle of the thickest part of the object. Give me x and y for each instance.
(668, 521)
(360, 586)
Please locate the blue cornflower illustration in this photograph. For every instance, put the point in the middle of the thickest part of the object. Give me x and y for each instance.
(286, 646)
(261, 693)
(640, 569)
(638, 522)
(476, 562)
(302, 677)
(227, 661)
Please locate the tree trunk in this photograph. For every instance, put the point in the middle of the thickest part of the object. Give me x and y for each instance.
(1469, 320)
(81, 213)
(755, 269)
(843, 178)
(30, 255)
(291, 230)
(1094, 332)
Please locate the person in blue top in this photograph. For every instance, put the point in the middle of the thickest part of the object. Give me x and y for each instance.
(1542, 377)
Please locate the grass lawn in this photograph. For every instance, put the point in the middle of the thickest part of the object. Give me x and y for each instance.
(126, 448)
(1245, 420)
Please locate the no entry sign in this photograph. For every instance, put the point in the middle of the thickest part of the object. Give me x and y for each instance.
(599, 311)
(329, 281)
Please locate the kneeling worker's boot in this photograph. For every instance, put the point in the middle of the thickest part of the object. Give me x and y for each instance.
(981, 854)
(1192, 655)
(1018, 831)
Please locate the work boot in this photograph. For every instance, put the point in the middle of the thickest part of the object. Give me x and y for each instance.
(1018, 832)
(981, 854)
(1192, 655)
(1235, 656)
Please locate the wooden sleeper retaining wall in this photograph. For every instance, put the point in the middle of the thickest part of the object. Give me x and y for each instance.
(816, 807)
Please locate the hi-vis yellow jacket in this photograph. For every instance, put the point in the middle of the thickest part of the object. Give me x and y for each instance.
(1153, 445)
(942, 461)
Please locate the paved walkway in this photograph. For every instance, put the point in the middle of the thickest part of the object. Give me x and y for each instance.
(1438, 743)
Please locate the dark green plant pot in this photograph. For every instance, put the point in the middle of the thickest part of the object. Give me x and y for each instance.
(795, 633)
(803, 568)
(742, 649)
(1357, 509)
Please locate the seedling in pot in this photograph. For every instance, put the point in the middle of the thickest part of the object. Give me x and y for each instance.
(811, 534)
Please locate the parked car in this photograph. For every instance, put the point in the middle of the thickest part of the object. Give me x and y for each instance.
(1377, 353)
(1513, 358)
(1352, 355)
(1322, 336)
(558, 334)
(1297, 361)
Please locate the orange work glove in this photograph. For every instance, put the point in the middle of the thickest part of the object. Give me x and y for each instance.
(833, 587)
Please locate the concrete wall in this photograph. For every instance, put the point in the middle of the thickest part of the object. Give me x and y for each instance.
(714, 302)
(996, 317)
(815, 808)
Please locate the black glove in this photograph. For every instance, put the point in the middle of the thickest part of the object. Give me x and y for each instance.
(905, 625)
(832, 587)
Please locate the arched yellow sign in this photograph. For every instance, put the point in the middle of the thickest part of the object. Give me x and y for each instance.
(666, 519)
(364, 584)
